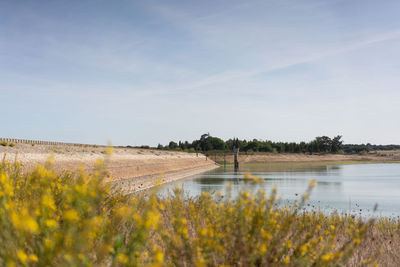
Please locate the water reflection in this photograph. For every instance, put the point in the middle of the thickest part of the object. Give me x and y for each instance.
(347, 188)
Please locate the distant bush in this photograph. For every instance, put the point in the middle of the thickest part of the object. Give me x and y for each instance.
(11, 144)
(3, 143)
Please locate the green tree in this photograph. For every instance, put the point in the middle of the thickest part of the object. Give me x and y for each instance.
(205, 142)
(323, 144)
(172, 145)
(337, 144)
(217, 143)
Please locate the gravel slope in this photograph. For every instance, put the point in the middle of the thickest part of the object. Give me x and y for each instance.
(131, 169)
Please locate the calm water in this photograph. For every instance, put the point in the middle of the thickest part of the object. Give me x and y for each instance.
(354, 188)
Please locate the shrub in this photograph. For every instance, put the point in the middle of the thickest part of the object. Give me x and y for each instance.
(77, 219)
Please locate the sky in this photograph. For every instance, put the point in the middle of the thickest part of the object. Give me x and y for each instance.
(147, 72)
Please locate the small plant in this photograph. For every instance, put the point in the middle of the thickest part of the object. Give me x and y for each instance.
(3, 143)
(11, 144)
(33, 144)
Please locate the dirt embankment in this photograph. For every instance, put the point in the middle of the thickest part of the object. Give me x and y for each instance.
(131, 169)
(376, 156)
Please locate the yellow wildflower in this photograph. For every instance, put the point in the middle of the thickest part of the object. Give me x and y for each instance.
(303, 250)
(122, 258)
(48, 243)
(27, 223)
(109, 150)
(327, 256)
(22, 256)
(51, 223)
(159, 256)
(263, 249)
(152, 219)
(286, 260)
(48, 201)
(71, 215)
(50, 160)
(33, 257)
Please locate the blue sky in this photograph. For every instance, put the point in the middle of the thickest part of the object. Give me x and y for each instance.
(146, 72)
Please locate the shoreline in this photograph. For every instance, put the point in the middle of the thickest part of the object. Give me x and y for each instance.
(133, 169)
(312, 163)
(139, 184)
(280, 158)
(128, 169)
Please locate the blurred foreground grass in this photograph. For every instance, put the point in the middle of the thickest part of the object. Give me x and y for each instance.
(72, 219)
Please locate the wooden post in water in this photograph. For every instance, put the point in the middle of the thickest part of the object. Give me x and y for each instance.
(235, 158)
(224, 160)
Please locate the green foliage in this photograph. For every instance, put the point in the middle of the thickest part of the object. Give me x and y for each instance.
(209, 143)
(352, 148)
(321, 144)
(172, 145)
(336, 144)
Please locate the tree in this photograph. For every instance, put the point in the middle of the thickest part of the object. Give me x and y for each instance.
(337, 144)
(172, 145)
(205, 142)
(323, 144)
(217, 143)
(229, 144)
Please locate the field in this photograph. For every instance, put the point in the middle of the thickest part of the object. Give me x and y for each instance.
(71, 218)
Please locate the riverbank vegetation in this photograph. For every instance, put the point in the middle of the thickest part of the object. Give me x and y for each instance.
(76, 219)
(321, 144)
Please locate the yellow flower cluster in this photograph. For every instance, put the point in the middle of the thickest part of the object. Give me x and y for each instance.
(72, 219)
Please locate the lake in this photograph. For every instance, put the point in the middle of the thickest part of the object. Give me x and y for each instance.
(346, 188)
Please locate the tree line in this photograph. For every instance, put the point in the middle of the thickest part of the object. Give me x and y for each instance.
(321, 144)
(354, 148)
(207, 143)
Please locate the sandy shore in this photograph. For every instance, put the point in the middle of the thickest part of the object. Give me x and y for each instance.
(131, 169)
(131, 185)
(376, 156)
